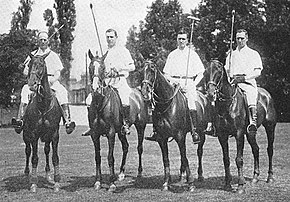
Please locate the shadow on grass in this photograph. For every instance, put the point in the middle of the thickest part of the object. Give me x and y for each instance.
(21, 182)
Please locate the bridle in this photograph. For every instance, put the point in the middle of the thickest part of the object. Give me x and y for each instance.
(154, 98)
(218, 94)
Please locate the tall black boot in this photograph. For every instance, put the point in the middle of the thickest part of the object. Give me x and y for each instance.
(90, 118)
(69, 125)
(18, 122)
(252, 127)
(125, 130)
(193, 123)
(210, 129)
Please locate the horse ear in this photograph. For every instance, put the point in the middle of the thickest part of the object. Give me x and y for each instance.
(90, 54)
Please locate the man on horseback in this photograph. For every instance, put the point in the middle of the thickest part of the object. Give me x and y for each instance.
(54, 67)
(118, 64)
(187, 71)
(246, 66)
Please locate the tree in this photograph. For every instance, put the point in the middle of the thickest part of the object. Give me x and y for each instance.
(66, 16)
(14, 48)
(157, 35)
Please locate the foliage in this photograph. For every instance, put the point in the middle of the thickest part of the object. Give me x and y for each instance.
(62, 41)
(14, 48)
(267, 23)
(157, 35)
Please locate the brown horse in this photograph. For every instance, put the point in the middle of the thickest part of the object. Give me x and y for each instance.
(170, 118)
(42, 119)
(105, 117)
(233, 119)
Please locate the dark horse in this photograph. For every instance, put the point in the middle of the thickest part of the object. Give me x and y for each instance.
(233, 119)
(170, 118)
(105, 117)
(42, 118)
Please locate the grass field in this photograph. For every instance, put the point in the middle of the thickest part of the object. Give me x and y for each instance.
(77, 168)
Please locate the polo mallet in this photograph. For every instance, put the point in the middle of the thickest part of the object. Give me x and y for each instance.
(231, 40)
(55, 32)
(194, 19)
(91, 6)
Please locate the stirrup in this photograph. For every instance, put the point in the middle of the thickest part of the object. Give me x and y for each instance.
(195, 137)
(70, 127)
(252, 128)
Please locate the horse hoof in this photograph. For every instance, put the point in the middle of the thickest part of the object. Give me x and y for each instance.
(121, 176)
(56, 187)
(200, 178)
(270, 180)
(112, 188)
(97, 185)
(165, 187)
(139, 175)
(254, 181)
(49, 178)
(33, 188)
(241, 190)
(191, 188)
(228, 187)
(26, 172)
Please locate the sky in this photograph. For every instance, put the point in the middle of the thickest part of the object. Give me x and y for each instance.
(117, 14)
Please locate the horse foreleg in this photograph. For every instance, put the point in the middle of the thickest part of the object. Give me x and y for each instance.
(240, 139)
(270, 130)
(199, 155)
(96, 141)
(255, 150)
(223, 140)
(164, 149)
(47, 167)
(34, 162)
(140, 131)
(55, 161)
(125, 147)
(28, 153)
(184, 161)
(111, 160)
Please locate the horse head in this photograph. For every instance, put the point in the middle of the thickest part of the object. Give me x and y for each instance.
(37, 73)
(150, 74)
(97, 70)
(214, 77)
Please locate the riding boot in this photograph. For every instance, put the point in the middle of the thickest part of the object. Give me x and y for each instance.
(252, 127)
(89, 131)
(193, 123)
(18, 123)
(125, 130)
(69, 125)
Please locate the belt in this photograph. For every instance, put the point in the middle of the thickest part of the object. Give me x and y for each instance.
(184, 77)
(119, 75)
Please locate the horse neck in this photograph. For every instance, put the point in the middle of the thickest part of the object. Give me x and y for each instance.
(163, 88)
(226, 88)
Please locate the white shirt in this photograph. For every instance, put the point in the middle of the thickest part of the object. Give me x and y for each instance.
(244, 61)
(53, 62)
(176, 64)
(119, 57)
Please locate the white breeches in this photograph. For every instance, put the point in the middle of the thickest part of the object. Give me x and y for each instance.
(60, 93)
(251, 92)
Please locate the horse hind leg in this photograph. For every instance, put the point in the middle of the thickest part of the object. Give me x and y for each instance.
(55, 161)
(270, 130)
(255, 150)
(125, 148)
(199, 154)
(140, 131)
